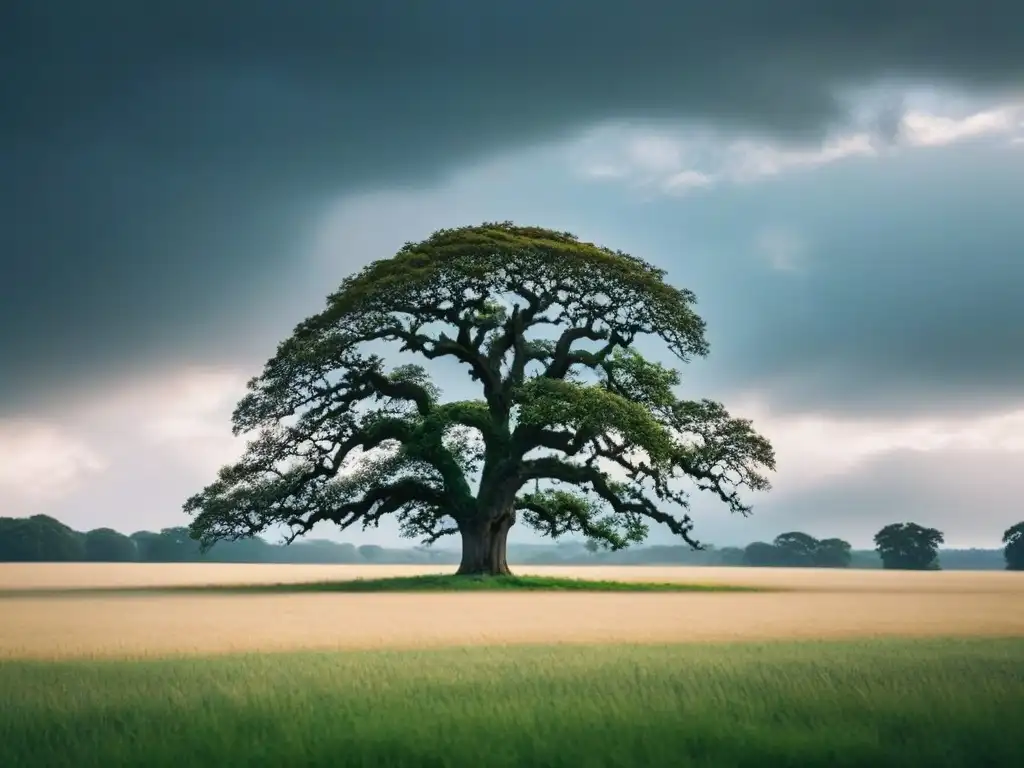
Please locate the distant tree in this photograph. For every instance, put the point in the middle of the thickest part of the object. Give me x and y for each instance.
(105, 545)
(795, 549)
(322, 550)
(371, 553)
(1013, 552)
(761, 554)
(144, 544)
(730, 556)
(16, 545)
(338, 436)
(833, 553)
(592, 546)
(39, 539)
(171, 545)
(249, 550)
(12, 540)
(909, 546)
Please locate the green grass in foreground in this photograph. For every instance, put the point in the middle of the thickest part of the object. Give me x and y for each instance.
(879, 703)
(427, 583)
(451, 583)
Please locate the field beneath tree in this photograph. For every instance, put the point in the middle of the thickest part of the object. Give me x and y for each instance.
(823, 668)
(812, 604)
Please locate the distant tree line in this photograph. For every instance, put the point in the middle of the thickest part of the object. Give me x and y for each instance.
(41, 538)
(907, 546)
(799, 550)
(898, 546)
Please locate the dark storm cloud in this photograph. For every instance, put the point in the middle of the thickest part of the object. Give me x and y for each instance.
(159, 162)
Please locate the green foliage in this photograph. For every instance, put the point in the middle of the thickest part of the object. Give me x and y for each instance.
(833, 553)
(43, 539)
(885, 703)
(761, 554)
(469, 265)
(558, 512)
(593, 410)
(1013, 551)
(909, 546)
(105, 545)
(39, 538)
(171, 545)
(545, 325)
(799, 550)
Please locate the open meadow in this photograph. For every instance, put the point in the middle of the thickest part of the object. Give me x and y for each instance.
(797, 603)
(829, 668)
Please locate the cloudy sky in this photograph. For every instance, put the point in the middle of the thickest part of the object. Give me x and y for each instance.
(840, 183)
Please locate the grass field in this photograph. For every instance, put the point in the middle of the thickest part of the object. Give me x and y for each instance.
(891, 669)
(431, 582)
(48, 621)
(89, 575)
(882, 703)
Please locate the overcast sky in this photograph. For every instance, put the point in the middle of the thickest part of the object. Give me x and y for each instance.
(841, 184)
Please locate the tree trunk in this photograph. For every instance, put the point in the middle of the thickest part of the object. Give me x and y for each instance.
(484, 546)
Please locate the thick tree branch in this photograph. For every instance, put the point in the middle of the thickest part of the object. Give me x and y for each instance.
(443, 346)
(531, 437)
(631, 501)
(563, 359)
(401, 390)
(513, 336)
(375, 503)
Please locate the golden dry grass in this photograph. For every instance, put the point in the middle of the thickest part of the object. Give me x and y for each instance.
(820, 604)
(17, 576)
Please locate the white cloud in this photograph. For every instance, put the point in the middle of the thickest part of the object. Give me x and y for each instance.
(687, 180)
(929, 130)
(41, 462)
(813, 450)
(654, 153)
(679, 161)
(747, 161)
(184, 414)
(191, 418)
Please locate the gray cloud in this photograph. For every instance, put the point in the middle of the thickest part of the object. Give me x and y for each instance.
(964, 494)
(909, 297)
(159, 164)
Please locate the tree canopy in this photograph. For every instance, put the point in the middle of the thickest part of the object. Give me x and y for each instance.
(38, 538)
(1013, 551)
(909, 546)
(105, 545)
(572, 429)
(799, 550)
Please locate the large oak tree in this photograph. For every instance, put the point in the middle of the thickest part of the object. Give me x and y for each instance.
(573, 430)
